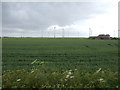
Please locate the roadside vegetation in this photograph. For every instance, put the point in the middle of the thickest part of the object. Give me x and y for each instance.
(37, 78)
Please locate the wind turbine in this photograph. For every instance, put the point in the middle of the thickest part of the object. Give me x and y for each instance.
(114, 33)
(90, 31)
(54, 31)
(63, 32)
(118, 33)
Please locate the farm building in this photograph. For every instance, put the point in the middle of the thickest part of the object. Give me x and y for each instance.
(100, 36)
(103, 36)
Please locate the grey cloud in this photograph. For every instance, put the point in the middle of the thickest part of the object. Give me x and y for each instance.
(0, 12)
(38, 16)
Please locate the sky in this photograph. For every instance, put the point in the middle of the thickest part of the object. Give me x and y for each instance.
(49, 19)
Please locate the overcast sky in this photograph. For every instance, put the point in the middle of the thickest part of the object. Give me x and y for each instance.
(75, 19)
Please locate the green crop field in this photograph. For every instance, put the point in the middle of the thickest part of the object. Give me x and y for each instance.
(55, 63)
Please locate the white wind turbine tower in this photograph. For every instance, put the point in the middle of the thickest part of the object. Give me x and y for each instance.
(48, 34)
(54, 31)
(90, 32)
(114, 33)
(63, 32)
(118, 33)
(42, 33)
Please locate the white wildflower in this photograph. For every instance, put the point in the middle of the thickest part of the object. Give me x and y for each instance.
(66, 71)
(34, 61)
(58, 85)
(18, 80)
(98, 70)
(65, 79)
(70, 70)
(71, 77)
(101, 80)
(32, 71)
(75, 69)
(67, 76)
(69, 73)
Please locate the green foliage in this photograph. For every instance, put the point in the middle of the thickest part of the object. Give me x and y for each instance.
(75, 79)
(44, 62)
(61, 54)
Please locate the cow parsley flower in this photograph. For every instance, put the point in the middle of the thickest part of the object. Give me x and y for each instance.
(71, 77)
(18, 80)
(69, 73)
(101, 80)
(67, 76)
(75, 69)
